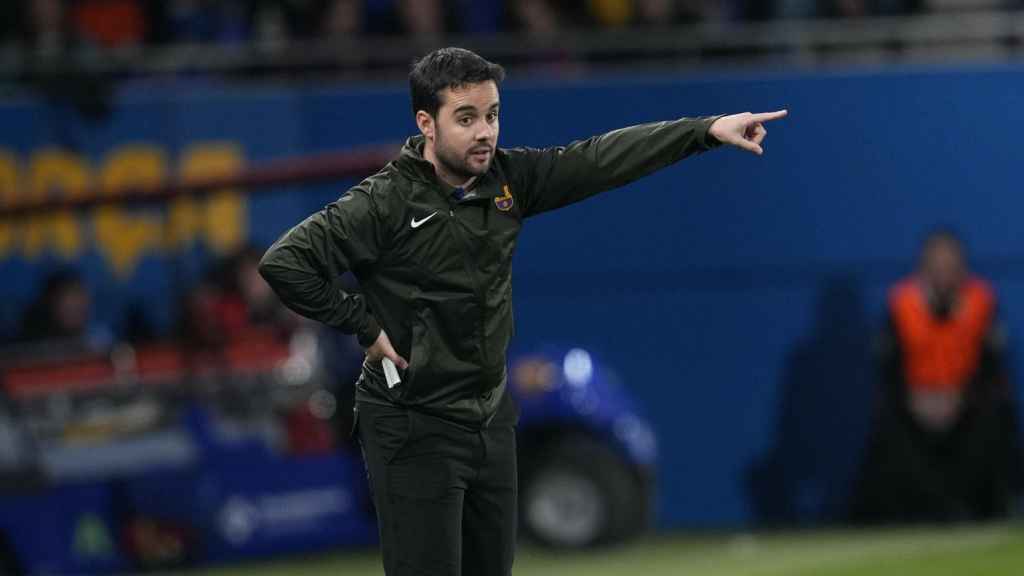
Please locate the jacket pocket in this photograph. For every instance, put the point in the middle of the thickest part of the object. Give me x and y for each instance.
(446, 334)
(419, 354)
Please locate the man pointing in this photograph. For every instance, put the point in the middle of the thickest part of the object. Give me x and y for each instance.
(430, 239)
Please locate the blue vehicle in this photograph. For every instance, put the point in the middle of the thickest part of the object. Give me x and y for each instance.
(151, 458)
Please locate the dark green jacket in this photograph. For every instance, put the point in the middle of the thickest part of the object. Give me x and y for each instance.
(435, 272)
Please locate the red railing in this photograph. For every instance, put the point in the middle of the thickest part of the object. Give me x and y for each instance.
(323, 167)
(260, 350)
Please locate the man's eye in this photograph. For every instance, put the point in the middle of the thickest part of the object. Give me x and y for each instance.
(492, 116)
(465, 120)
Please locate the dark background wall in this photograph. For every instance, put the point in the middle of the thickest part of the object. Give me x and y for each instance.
(737, 296)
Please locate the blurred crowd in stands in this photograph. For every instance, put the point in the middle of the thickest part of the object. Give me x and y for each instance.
(222, 307)
(230, 344)
(227, 300)
(41, 25)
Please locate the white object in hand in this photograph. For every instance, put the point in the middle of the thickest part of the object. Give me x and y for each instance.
(390, 372)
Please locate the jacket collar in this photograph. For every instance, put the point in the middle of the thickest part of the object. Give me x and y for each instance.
(414, 166)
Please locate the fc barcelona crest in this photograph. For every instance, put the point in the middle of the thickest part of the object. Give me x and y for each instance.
(505, 201)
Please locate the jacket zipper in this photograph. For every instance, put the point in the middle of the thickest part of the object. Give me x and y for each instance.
(476, 283)
(483, 305)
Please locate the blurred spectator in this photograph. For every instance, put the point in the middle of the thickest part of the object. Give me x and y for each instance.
(343, 18)
(244, 298)
(665, 13)
(62, 316)
(541, 24)
(423, 19)
(832, 8)
(861, 8)
(48, 28)
(232, 299)
(656, 13)
(111, 23)
(199, 326)
(849, 8)
(52, 52)
(194, 21)
(276, 22)
(537, 20)
(943, 445)
(661, 13)
(611, 13)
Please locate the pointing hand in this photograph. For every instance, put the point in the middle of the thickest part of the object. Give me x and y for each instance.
(744, 130)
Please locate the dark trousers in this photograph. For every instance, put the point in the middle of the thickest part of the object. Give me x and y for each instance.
(445, 495)
(965, 473)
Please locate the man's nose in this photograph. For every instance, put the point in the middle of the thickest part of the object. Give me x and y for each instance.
(485, 133)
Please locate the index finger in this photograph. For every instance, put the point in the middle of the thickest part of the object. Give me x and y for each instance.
(768, 116)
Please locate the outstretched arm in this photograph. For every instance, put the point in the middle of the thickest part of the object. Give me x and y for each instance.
(550, 178)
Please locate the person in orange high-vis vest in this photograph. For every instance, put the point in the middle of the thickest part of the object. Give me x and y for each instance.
(943, 445)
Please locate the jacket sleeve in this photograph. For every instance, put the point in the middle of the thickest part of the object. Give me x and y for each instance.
(551, 178)
(305, 265)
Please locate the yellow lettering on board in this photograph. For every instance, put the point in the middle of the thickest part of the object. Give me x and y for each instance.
(137, 167)
(8, 178)
(225, 228)
(124, 236)
(8, 196)
(58, 231)
(55, 174)
(184, 221)
(223, 221)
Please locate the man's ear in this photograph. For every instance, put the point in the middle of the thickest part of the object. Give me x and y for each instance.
(425, 122)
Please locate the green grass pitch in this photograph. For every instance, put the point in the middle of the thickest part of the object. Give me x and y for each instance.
(962, 551)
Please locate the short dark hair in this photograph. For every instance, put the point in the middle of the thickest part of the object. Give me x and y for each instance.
(447, 68)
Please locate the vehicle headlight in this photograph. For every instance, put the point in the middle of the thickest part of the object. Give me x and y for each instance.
(577, 367)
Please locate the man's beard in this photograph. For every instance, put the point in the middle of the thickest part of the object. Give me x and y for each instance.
(455, 164)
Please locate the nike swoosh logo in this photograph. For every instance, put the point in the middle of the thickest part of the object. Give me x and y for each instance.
(417, 223)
